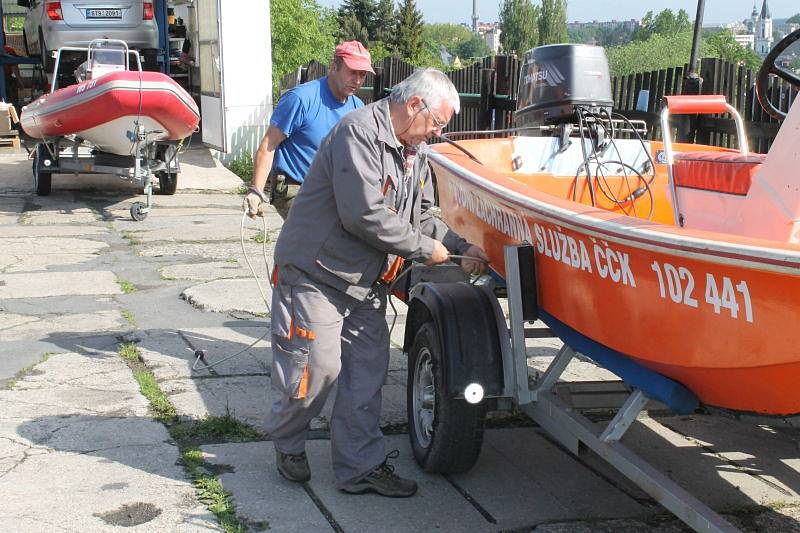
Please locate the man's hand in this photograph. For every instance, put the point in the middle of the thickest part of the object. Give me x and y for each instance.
(475, 267)
(255, 203)
(439, 254)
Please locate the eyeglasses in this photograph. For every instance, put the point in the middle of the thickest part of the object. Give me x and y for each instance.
(440, 124)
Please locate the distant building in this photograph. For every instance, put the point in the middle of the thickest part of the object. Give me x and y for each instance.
(763, 31)
(490, 31)
(628, 25)
(747, 40)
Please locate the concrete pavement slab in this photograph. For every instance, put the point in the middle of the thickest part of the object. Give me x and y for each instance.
(40, 285)
(52, 231)
(187, 228)
(208, 251)
(61, 216)
(16, 326)
(770, 454)
(25, 254)
(540, 483)
(200, 171)
(741, 463)
(79, 489)
(170, 354)
(215, 270)
(227, 295)
(73, 384)
(184, 201)
(246, 397)
(262, 495)
(717, 482)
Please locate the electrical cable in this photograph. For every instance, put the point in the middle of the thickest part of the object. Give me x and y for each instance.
(200, 354)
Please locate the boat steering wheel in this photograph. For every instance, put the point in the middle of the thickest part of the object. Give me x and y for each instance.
(768, 67)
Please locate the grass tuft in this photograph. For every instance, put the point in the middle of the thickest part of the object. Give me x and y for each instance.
(211, 492)
(128, 316)
(242, 166)
(261, 238)
(126, 286)
(214, 429)
(225, 428)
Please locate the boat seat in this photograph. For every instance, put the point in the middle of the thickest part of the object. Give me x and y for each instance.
(725, 172)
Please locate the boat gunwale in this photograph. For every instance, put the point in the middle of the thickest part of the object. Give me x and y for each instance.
(656, 236)
(125, 84)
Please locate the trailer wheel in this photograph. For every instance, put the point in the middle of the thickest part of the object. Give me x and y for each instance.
(42, 179)
(446, 433)
(167, 182)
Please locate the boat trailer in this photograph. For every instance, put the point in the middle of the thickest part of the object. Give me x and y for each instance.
(462, 352)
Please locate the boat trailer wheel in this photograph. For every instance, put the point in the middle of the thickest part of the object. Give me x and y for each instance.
(446, 433)
(139, 211)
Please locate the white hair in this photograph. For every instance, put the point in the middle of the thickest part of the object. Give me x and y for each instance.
(431, 85)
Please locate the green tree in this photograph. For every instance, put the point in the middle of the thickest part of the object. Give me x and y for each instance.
(475, 46)
(301, 31)
(664, 23)
(723, 44)
(664, 51)
(553, 22)
(519, 24)
(351, 29)
(364, 12)
(408, 32)
(794, 19)
(584, 35)
(384, 23)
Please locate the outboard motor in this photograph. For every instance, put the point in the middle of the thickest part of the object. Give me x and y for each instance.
(555, 79)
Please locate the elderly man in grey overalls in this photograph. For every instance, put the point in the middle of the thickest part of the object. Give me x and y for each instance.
(364, 202)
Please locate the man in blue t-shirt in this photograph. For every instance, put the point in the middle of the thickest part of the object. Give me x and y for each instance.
(303, 117)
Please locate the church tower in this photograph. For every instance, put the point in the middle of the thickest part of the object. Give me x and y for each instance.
(763, 33)
(751, 23)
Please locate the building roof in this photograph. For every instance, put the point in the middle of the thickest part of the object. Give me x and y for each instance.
(765, 14)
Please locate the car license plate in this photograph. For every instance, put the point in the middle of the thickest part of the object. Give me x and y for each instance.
(103, 13)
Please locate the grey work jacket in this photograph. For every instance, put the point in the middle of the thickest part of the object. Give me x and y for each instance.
(355, 207)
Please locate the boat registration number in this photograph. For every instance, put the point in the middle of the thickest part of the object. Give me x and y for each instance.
(103, 13)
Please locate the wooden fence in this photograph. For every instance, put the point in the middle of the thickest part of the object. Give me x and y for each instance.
(488, 91)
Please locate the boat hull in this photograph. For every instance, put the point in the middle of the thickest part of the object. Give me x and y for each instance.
(716, 313)
(105, 111)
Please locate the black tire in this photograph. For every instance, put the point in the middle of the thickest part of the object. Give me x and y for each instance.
(47, 58)
(42, 180)
(167, 182)
(25, 43)
(446, 434)
(138, 212)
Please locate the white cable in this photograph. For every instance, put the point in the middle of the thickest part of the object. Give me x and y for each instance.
(200, 354)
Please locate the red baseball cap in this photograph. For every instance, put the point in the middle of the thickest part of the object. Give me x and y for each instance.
(355, 56)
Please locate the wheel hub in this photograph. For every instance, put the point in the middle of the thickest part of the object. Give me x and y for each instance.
(424, 399)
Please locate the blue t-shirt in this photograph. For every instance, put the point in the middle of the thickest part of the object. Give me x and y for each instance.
(305, 115)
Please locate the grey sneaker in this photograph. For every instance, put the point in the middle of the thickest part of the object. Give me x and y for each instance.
(383, 481)
(293, 467)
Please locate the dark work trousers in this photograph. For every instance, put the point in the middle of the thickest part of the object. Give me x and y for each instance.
(320, 334)
(283, 190)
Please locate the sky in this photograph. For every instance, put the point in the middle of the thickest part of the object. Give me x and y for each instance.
(716, 11)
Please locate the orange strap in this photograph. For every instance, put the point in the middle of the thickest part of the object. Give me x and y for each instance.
(696, 104)
(391, 273)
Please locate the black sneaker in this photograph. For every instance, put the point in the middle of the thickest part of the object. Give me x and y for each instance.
(383, 481)
(293, 467)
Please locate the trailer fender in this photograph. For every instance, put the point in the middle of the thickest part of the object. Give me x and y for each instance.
(467, 327)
